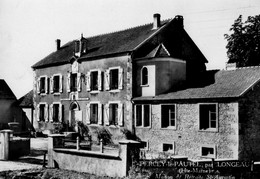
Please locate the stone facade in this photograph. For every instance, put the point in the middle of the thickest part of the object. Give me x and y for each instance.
(187, 138)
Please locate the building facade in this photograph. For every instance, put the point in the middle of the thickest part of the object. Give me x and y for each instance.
(151, 82)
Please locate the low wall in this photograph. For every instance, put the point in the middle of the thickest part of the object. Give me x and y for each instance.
(101, 164)
(10, 147)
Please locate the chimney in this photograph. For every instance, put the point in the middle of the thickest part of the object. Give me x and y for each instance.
(156, 21)
(179, 20)
(58, 44)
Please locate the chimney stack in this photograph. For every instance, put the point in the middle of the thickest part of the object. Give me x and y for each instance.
(156, 21)
(58, 44)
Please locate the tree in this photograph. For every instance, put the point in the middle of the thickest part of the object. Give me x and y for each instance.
(243, 45)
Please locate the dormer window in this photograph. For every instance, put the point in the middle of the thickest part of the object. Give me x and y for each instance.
(144, 76)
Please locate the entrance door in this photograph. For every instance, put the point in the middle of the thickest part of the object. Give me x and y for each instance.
(75, 115)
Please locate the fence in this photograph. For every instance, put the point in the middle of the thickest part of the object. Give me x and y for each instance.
(99, 162)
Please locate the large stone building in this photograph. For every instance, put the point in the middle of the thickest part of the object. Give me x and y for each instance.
(149, 81)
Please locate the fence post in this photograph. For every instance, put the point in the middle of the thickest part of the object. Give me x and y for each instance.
(4, 140)
(126, 147)
(54, 141)
(101, 146)
(78, 143)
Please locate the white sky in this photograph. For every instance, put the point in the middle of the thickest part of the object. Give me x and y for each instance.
(29, 28)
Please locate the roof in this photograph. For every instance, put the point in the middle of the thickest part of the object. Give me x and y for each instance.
(216, 84)
(5, 91)
(26, 100)
(111, 43)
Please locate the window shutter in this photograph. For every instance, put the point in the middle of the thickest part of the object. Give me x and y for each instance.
(51, 84)
(60, 112)
(107, 80)
(46, 113)
(38, 112)
(78, 82)
(38, 85)
(106, 114)
(120, 114)
(61, 84)
(68, 82)
(99, 113)
(51, 112)
(120, 79)
(99, 80)
(88, 113)
(46, 85)
(88, 81)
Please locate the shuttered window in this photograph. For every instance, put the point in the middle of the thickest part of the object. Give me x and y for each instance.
(114, 78)
(114, 113)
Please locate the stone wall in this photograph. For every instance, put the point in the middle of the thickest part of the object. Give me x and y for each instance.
(101, 164)
(187, 138)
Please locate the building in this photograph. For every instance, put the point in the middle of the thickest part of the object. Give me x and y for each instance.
(26, 104)
(149, 81)
(215, 117)
(92, 79)
(11, 115)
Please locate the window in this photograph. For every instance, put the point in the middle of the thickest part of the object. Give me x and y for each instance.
(208, 151)
(56, 84)
(208, 116)
(42, 112)
(142, 115)
(93, 113)
(94, 81)
(168, 116)
(144, 145)
(56, 112)
(114, 79)
(42, 85)
(144, 76)
(73, 79)
(168, 148)
(113, 114)
(73, 82)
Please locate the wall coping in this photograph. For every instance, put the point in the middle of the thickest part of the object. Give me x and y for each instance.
(89, 153)
(128, 142)
(6, 131)
(56, 135)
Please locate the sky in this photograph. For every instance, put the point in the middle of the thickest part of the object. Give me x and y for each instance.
(29, 28)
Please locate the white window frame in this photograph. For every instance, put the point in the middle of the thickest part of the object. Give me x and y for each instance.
(120, 113)
(51, 112)
(150, 115)
(169, 151)
(213, 146)
(217, 118)
(144, 85)
(170, 127)
(120, 80)
(39, 84)
(60, 84)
